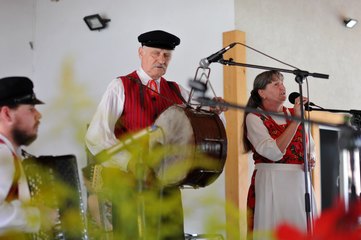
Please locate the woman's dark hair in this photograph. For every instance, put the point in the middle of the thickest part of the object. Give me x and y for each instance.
(255, 100)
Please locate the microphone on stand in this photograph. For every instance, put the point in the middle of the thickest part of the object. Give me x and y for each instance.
(205, 62)
(292, 98)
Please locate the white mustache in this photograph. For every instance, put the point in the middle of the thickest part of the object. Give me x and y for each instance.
(159, 66)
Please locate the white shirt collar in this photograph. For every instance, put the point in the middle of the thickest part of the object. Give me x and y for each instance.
(10, 146)
(144, 76)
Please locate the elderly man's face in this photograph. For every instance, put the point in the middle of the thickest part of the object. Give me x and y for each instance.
(154, 61)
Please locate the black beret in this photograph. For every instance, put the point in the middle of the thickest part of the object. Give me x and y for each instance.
(17, 90)
(159, 39)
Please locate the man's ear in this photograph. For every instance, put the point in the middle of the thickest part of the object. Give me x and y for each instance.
(140, 52)
(5, 113)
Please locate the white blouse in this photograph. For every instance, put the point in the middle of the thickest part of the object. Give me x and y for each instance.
(261, 140)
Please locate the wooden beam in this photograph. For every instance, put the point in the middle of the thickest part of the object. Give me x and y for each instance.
(236, 167)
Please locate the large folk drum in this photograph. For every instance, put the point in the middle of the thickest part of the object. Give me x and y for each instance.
(195, 146)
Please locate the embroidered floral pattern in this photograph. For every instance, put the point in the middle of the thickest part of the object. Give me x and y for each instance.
(294, 152)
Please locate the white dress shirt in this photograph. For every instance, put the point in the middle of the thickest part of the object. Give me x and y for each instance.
(14, 215)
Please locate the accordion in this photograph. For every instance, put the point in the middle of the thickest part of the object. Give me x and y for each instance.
(54, 182)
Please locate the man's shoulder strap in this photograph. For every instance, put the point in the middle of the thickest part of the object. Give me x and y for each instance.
(174, 86)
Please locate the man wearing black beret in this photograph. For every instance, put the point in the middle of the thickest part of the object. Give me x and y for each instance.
(19, 122)
(132, 103)
(159, 39)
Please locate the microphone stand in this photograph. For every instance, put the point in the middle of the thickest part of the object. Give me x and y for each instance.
(356, 114)
(299, 73)
(350, 143)
(308, 206)
(197, 84)
(300, 76)
(205, 101)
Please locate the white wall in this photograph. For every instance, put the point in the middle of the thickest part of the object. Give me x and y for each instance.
(71, 65)
(311, 36)
(16, 31)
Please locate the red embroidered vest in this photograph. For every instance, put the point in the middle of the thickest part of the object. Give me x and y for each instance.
(294, 151)
(141, 108)
(14, 189)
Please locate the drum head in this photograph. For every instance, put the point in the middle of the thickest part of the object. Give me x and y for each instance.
(176, 146)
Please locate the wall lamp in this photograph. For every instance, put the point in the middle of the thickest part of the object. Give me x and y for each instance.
(350, 23)
(96, 22)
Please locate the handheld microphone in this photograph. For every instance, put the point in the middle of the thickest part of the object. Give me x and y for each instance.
(292, 98)
(205, 62)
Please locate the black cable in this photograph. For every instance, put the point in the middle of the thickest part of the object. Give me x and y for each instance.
(264, 54)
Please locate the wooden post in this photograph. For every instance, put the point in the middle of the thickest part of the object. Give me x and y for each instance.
(236, 168)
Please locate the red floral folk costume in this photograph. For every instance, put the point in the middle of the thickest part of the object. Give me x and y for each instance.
(293, 156)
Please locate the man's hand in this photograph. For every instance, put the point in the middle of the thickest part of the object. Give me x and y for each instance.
(219, 108)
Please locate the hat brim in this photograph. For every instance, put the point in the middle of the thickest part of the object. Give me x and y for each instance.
(33, 101)
(159, 45)
(28, 99)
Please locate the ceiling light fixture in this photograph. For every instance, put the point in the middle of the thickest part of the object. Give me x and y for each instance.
(350, 23)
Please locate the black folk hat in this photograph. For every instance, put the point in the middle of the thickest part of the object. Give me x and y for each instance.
(17, 90)
(159, 39)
